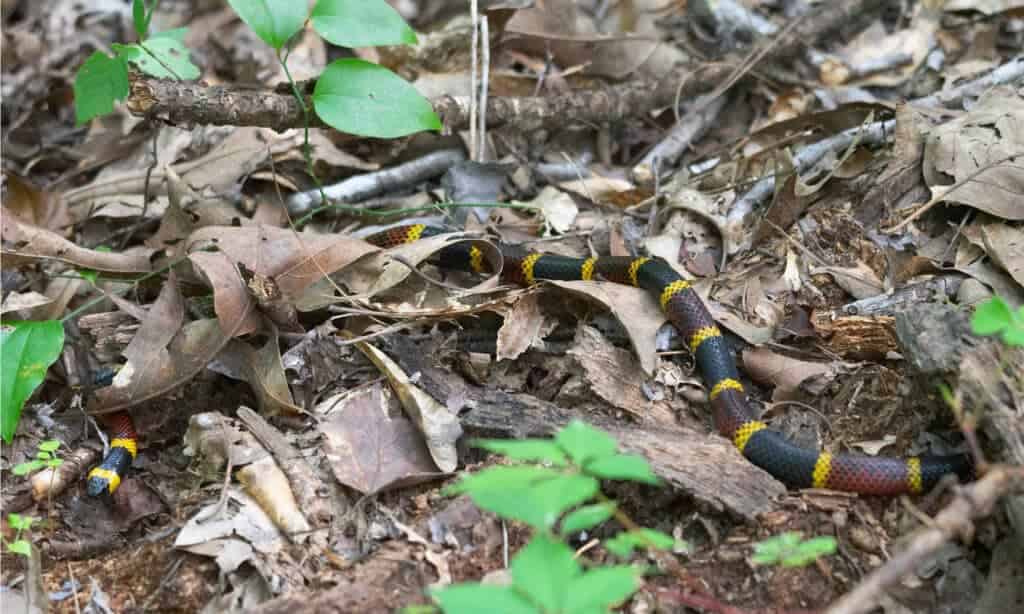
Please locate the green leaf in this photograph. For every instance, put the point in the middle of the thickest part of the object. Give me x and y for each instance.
(602, 588)
(584, 443)
(27, 349)
(788, 550)
(364, 23)
(525, 450)
(470, 598)
(53, 463)
(21, 547)
(520, 477)
(139, 18)
(27, 467)
(101, 81)
(554, 497)
(773, 549)
(623, 544)
(365, 99)
(586, 517)
(543, 570)
(534, 495)
(274, 22)
(164, 56)
(622, 467)
(50, 445)
(991, 317)
(19, 522)
(809, 551)
(418, 609)
(1014, 336)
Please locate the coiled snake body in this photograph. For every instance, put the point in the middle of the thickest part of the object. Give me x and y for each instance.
(733, 417)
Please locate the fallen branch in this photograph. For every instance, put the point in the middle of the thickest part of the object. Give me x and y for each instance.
(973, 501)
(191, 103)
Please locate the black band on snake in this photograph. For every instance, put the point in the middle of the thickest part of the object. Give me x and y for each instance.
(768, 449)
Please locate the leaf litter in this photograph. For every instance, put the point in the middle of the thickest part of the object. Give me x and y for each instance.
(916, 192)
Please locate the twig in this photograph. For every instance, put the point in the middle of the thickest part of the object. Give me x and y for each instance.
(973, 501)
(74, 588)
(222, 501)
(474, 16)
(368, 185)
(871, 135)
(485, 69)
(666, 153)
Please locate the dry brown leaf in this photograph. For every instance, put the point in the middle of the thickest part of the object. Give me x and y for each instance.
(294, 259)
(439, 426)
(16, 301)
(860, 281)
(231, 299)
(33, 205)
(614, 375)
(189, 352)
(263, 370)
(523, 326)
(175, 225)
(370, 450)
(1005, 244)
(192, 347)
(558, 29)
(991, 131)
(61, 290)
(27, 243)
(876, 43)
(211, 529)
(222, 169)
(598, 189)
(790, 376)
(558, 209)
(633, 307)
(162, 322)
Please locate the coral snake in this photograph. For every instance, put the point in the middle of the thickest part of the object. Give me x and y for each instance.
(768, 449)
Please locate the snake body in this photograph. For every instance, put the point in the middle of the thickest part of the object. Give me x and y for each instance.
(107, 476)
(734, 418)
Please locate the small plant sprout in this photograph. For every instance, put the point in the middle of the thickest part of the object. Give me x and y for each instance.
(21, 525)
(995, 317)
(789, 550)
(555, 489)
(46, 457)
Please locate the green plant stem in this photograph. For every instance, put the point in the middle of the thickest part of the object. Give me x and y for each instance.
(307, 153)
(627, 522)
(134, 284)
